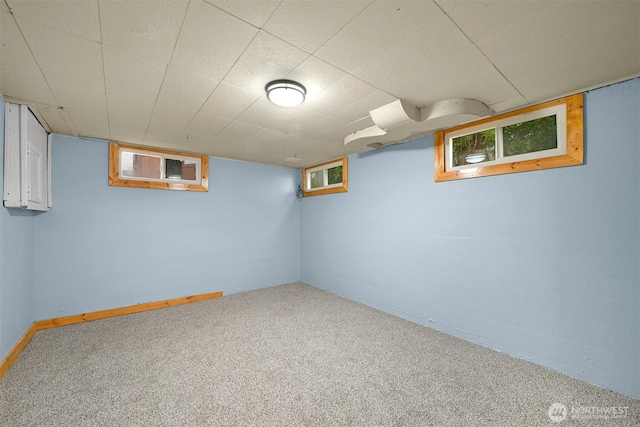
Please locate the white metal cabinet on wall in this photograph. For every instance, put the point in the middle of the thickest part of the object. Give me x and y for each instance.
(27, 159)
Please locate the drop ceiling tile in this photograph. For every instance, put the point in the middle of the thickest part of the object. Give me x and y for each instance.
(167, 123)
(261, 112)
(64, 55)
(561, 22)
(480, 19)
(448, 5)
(300, 144)
(52, 117)
(255, 13)
(234, 151)
(146, 28)
(267, 136)
(14, 48)
(345, 91)
(185, 90)
(582, 72)
(161, 138)
(75, 17)
(26, 84)
(128, 136)
(129, 112)
(132, 74)
(606, 41)
(169, 118)
(432, 43)
(203, 124)
(211, 41)
(267, 58)
(308, 25)
(89, 125)
(76, 96)
(192, 142)
(320, 127)
(380, 27)
(311, 152)
(123, 133)
(235, 131)
(508, 104)
(315, 75)
(228, 101)
(464, 74)
(293, 120)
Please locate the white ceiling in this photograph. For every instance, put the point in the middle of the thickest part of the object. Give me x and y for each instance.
(190, 75)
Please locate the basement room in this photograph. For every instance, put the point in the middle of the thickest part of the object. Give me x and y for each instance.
(320, 213)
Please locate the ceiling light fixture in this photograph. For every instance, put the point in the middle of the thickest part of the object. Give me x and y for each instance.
(285, 93)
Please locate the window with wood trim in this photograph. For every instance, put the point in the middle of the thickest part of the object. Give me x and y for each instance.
(544, 136)
(326, 178)
(143, 167)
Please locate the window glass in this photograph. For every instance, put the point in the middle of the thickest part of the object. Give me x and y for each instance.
(180, 169)
(474, 148)
(334, 175)
(136, 165)
(530, 136)
(317, 179)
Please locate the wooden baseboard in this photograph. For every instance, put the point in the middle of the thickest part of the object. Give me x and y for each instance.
(96, 315)
(17, 349)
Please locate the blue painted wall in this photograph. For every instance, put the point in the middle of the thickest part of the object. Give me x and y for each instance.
(103, 247)
(16, 267)
(541, 265)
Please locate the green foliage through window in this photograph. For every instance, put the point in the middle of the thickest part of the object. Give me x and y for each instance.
(531, 136)
(335, 175)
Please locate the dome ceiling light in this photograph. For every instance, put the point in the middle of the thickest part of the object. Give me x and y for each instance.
(285, 93)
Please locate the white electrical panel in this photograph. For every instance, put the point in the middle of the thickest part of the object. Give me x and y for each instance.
(27, 159)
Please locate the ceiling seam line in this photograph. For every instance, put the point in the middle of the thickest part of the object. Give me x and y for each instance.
(104, 74)
(236, 61)
(341, 28)
(484, 55)
(44, 77)
(155, 102)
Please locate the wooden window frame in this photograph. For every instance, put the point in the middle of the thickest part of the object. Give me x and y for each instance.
(166, 184)
(574, 144)
(337, 189)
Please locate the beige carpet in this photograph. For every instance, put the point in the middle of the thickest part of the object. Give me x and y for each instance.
(290, 355)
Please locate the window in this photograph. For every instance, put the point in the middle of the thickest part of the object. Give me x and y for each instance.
(142, 167)
(325, 178)
(543, 136)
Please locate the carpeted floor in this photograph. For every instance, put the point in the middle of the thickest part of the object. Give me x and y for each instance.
(291, 355)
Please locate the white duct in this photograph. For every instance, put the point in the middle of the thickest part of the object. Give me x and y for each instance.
(439, 115)
(394, 114)
(364, 133)
(456, 108)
